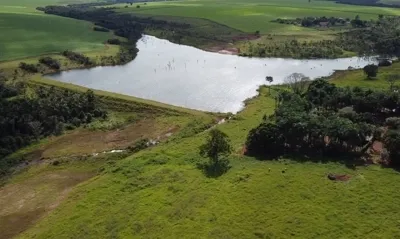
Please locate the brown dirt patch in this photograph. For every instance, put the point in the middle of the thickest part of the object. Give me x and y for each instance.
(85, 141)
(24, 203)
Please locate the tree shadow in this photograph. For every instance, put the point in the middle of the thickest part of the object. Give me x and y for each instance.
(212, 170)
(350, 160)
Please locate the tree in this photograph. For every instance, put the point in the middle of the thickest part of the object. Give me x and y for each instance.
(36, 129)
(392, 143)
(371, 70)
(270, 79)
(215, 148)
(391, 79)
(297, 82)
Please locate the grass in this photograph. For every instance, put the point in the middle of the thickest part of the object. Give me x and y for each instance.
(358, 78)
(160, 193)
(26, 32)
(253, 15)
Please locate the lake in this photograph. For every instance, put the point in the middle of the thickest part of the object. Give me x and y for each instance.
(189, 77)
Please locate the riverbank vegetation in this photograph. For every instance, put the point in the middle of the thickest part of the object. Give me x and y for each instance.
(327, 121)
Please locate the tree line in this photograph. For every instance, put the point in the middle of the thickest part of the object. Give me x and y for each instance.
(320, 119)
(49, 111)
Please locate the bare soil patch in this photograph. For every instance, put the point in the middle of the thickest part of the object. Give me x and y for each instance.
(23, 203)
(85, 141)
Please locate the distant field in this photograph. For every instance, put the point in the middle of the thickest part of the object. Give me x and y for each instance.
(28, 32)
(253, 15)
(392, 2)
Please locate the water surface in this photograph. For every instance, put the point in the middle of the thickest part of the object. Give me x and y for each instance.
(186, 76)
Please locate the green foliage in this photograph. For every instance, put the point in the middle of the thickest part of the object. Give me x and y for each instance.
(379, 39)
(371, 70)
(28, 67)
(326, 120)
(23, 120)
(77, 57)
(215, 148)
(50, 62)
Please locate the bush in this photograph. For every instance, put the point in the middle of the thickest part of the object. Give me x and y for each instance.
(28, 67)
(371, 70)
(393, 122)
(50, 62)
(77, 57)
(114, 41)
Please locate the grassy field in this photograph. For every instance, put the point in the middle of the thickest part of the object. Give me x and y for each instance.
(358, 78)
(159, 193)
(253, 15)
(27, 32)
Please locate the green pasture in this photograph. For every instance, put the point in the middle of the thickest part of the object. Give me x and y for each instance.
(250, 16)
(159, 193)
(27, 32)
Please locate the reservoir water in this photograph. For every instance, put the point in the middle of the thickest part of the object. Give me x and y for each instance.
(186, 76)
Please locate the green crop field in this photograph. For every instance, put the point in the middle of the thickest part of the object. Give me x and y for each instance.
(253, 15)
(27, 32)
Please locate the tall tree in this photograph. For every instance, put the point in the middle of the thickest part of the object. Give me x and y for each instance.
(215, 148)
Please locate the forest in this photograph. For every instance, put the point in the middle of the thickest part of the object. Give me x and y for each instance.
(49, 111)
(319, 119)
(370, 38)
(326, 22)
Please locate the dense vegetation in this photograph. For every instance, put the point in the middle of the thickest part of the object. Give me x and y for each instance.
(326, 22)
(314, 21)
(381, 38)
(77, 57)
(50, 62)
(325, 120)
(295, 49)
(27, 119)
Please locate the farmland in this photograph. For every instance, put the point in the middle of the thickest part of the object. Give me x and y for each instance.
(257, 15)
(26, 32)
(91, 182)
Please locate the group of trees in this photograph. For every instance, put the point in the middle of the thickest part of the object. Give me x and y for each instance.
(381, 38)
(25, 119)
(314, 21)
(295, 49)
(50, 62)
(326, 22)
(322, 119)
(35, 68)
(77, 57)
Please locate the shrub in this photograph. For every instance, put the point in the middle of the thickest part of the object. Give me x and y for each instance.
(371, 70)
(50, 62)
(114, 41)
(28, 67)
